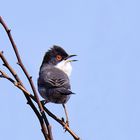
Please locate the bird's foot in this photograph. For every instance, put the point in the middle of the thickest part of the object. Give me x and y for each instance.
(66, 124)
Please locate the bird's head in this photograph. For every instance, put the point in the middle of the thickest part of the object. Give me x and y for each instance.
(58, 57)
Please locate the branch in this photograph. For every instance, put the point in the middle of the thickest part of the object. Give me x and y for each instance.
(62, 123)
(20, 86)
(4, 75)
(29, 101)
(8, 31)
(18, 83)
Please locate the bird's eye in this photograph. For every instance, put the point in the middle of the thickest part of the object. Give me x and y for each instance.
(58, 57)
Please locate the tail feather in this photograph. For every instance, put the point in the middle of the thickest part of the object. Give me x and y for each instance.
(64, 91)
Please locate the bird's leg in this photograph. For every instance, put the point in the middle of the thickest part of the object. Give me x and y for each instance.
(66, 114)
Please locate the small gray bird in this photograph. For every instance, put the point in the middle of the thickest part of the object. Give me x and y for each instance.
(53, 81)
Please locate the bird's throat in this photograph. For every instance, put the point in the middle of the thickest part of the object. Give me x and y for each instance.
(65, 66)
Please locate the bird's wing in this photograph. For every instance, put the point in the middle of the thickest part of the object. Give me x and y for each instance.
(57, 82)
(53, 78)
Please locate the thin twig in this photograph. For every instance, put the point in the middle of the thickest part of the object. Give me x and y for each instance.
(4, 75)
(62, 123)
(8, 31)
(46, 110)
(29, 101)
(18, 83)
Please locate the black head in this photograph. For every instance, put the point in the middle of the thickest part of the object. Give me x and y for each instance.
(54, 55)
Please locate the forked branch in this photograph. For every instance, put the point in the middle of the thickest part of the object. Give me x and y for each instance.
(40, 113)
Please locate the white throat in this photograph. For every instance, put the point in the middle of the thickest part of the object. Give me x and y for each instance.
(65, 66)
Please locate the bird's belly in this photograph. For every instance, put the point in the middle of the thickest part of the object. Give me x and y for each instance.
(52, 95)
(58, 98)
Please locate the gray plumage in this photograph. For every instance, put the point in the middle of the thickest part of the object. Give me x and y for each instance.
(53, 83)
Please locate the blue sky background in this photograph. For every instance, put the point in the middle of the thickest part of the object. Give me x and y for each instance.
(106, 79)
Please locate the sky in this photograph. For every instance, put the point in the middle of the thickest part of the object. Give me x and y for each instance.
(106, 79)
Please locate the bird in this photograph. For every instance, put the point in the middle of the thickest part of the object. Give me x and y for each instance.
(53, 81)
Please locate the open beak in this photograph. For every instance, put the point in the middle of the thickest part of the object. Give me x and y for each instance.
(70, 57)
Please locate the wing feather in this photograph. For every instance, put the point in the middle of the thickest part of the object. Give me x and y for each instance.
(53, 78)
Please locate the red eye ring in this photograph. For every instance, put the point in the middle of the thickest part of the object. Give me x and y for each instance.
(59, 57)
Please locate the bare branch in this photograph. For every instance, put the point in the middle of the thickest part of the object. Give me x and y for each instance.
(29, 101)
(46, 127)
(62, 123)
(4, 75)
(46, 110)
(12, 71)
(8, 31)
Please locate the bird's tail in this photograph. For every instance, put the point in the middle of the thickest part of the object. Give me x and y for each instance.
(65, 91)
